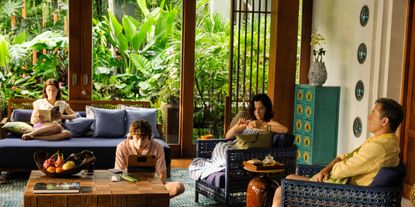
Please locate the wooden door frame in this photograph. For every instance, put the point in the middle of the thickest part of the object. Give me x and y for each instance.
(80, 49)
(407, 90)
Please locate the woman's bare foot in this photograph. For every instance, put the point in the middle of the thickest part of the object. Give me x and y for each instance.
(27, 137)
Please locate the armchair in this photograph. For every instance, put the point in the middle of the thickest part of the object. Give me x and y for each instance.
(231, 185)
(306, 193)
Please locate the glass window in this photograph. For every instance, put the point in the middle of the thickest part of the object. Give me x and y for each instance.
(33, 47)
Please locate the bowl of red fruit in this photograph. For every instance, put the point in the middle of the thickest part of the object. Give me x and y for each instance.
(56, 166)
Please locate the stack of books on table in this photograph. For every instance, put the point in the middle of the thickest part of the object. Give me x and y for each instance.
(63, 187)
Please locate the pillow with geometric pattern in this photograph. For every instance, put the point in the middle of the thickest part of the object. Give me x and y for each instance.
(18, 127)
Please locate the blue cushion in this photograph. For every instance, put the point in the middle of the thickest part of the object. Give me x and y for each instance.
(389, 176)
(81, 114)
(148, 114)
(282, 140)
(78, 126)
(22, 115)
(109, 122)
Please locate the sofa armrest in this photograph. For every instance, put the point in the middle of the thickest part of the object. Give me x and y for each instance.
(306, 193)
(204, 148)
(3, 132)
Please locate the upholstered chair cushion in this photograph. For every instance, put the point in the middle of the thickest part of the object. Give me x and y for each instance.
(282, 140)
(389, 176)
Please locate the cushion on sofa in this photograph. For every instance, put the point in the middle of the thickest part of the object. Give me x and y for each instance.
(89, 112)
(78, 126)
(148, 114)
(109, 122)
(22, 115)
(18, 127)
(389, 176)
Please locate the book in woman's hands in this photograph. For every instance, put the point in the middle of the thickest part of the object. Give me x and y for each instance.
(64, 187)
(49, 114)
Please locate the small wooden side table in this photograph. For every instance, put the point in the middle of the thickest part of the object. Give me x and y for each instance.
(260, 191)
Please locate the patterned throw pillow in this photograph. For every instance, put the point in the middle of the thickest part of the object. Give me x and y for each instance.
(253, 138)
(18, 127)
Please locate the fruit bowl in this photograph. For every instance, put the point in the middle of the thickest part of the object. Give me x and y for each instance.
(83, 160)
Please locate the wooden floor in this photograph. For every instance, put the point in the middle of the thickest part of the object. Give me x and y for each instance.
(181, 163)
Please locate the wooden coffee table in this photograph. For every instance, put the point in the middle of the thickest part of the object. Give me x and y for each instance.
(100, 191)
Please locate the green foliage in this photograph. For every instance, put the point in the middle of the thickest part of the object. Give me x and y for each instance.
(134, 58)
(317, 40)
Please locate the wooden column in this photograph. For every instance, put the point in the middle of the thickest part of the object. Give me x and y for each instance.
(187, 78)
(283, 51)
(80, 49)
(306, 26)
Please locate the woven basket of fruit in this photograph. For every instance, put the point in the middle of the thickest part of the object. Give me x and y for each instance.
(55, 166)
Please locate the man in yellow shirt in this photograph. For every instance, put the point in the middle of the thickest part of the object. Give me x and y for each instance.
(362, 165)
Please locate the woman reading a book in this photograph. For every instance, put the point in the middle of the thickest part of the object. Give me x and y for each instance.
(48, 113)
(140, 142)
(261, 113)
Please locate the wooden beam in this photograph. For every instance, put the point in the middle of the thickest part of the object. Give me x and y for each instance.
(306, 27)
(283, 52)
(187, 78)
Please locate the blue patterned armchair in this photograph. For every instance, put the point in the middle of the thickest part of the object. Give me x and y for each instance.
(230, 186)
(305, 193)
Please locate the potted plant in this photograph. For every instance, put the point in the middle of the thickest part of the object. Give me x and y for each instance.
(317, 75)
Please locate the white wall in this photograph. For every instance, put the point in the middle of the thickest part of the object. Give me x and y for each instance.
(338, 21)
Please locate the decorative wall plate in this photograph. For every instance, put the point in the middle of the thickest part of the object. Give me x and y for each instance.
(362, 53)
(364, 15)
(357, 127)
(359, 90)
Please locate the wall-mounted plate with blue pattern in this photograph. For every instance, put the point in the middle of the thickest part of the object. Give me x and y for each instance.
(357, 127)
(364, 15)
(362, 53)
(359, 90)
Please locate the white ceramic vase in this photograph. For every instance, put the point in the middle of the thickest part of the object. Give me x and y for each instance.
(317, 75)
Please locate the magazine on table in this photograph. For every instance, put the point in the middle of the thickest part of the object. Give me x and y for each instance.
(63, 187)
(49, 114)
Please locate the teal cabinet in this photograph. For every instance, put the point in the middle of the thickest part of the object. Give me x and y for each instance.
(316, 118)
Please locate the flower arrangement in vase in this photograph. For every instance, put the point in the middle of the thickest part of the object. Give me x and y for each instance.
(317, 74)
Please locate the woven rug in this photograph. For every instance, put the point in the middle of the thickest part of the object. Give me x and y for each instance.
(11, 193)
